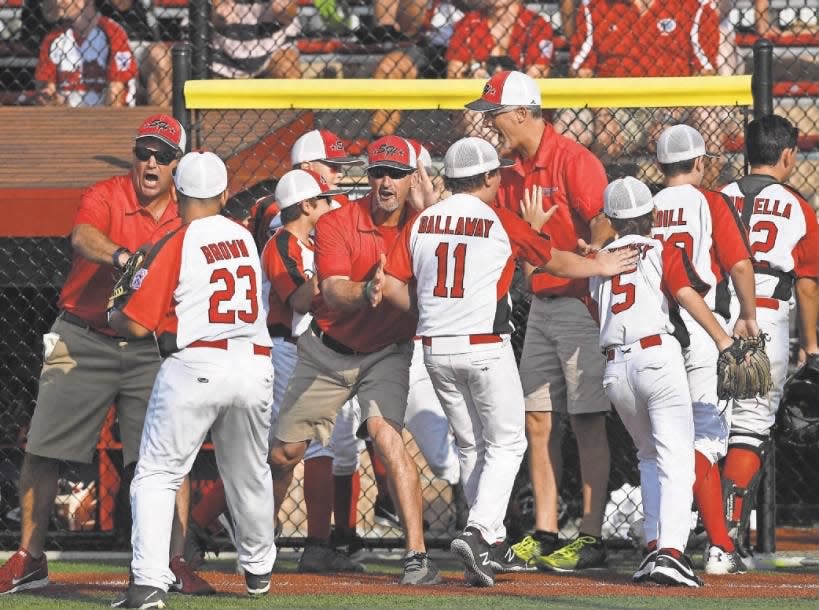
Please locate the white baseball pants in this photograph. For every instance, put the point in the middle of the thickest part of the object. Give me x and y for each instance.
(480, 392)
(198, 390)
(647, 387)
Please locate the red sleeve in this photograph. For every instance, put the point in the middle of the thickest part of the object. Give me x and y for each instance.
(154, 285)
(806, 252)
(541, 46)
(527, 244)
(586, 181)
(458, 49)
(678, 272)
(730, 238)
(333, 252)
(94, 208)
(282, 263)
(46, 70)
(704, 35)
(122, 66)
(399, 260)
(583, 53)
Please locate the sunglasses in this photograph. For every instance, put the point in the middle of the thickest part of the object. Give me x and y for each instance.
(392, 172)
(163, 157)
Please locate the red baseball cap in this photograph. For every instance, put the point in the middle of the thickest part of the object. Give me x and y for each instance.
(507, 88)
(321, 145)
(166, 128)
(392, 151)
(299, 185)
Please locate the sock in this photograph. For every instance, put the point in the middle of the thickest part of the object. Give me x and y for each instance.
(673, 552)
(346, 489)
(651, 546)
(708, 495)
(544, 536)
(318, 497)
(212, 504)
(740, 467)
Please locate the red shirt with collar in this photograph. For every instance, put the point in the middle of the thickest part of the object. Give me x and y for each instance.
(530, 44)
(111, 206)
(572, 179)
(671, 38)
(349, 244)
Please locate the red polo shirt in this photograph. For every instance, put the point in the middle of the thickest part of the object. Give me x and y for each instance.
(110, 206)
(572, 179)
(671, 38)
(349, 244)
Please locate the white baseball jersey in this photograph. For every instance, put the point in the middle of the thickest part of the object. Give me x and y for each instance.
(636, 304)
(710, 231)
(462, 254)
(201, 282)
(782, 232)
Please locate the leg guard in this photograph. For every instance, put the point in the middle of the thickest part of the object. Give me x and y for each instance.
(731, 491)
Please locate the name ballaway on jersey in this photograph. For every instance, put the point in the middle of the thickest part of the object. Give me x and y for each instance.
(460, 225)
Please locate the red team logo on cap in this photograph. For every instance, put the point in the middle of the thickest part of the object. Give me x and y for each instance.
(493, 90)
(163, 127)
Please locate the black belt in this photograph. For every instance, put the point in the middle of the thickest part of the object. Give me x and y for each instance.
(334, 345)
(74, 320)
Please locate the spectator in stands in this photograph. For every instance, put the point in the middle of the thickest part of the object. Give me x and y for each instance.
(430, 30)
(153, 57)
(253, 39)
(86, 60)
(500, 35)
(637, 38)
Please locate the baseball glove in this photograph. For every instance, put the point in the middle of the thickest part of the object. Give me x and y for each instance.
(128, 281)
(743, 369)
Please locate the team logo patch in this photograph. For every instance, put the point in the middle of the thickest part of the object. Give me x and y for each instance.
(666, 26)
(161, 125)
(548, 191)
(123, 59)
(337, 146)
(489, 89)
(546, 48)
(389, 149)
(139, 277)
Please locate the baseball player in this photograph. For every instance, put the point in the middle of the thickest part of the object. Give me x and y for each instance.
(782, 230)
(708, 228)
(644, 370)
(199, 293)
(461, 253)
(289, 286)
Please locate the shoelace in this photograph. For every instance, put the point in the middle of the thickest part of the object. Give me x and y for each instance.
(575, 546)
(415, 562)
(526, 547)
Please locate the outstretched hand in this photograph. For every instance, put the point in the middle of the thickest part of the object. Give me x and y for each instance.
(531, 208)
(422, 193)
(615, 262)
(374, 288)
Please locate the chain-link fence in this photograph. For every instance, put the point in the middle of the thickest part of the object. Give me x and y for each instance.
(361, 38)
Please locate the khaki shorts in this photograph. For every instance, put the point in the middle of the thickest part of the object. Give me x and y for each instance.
(83, 374)
(325, 379)
(561, 368)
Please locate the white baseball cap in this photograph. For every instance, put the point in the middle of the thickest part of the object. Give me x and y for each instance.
(201, 175)
(321, 145)
(681, 143)
(299, 185)
(472, 157)
(507, 89)
(422, 154)
(627, 198)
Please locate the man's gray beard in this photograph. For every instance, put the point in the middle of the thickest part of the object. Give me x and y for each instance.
(385, 208)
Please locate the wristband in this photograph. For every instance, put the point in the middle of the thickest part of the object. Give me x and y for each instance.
(115, 256)
(367, 286)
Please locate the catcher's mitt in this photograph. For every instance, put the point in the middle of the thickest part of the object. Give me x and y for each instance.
(743, 369)
(129, 281)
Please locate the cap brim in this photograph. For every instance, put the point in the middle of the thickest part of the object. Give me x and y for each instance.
(392, 164)
(481, 105)
(343, 161)
(334, 192)
(506, 163)
(161, 139)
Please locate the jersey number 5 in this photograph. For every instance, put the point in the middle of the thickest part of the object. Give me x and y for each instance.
(626, 289)
(442, 254)
(226, 294)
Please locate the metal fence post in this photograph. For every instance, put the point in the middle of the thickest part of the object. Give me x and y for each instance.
(762, 91)
(199, 16)
(181, 58)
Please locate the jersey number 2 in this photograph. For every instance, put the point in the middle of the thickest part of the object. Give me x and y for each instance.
(226, 294)
(442, 254)
(619, 288)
